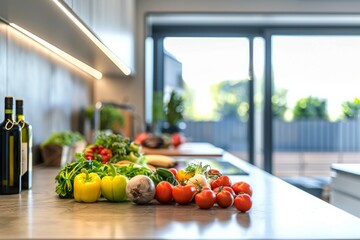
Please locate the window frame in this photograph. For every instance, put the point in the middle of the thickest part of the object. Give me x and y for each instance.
(158, 33)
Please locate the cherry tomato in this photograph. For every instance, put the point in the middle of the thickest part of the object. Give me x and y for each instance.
(243, 202)
(224, 188)
(163, 192)
(183, 194)
(174, 171)
(221, 181)
(205, 199)
(242, 187)
(224, 199)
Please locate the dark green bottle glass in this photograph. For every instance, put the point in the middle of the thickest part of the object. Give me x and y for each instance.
(26, 146)
(10, 152)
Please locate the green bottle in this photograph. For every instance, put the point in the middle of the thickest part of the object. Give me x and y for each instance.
(26, 146)
(10, 152)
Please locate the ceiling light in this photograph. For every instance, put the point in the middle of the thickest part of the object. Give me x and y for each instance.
(125, 69)
(93, 72)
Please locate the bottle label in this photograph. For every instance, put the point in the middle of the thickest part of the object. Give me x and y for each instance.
(11, 161)
(24, 158)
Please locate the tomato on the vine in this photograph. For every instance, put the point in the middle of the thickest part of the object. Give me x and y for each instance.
(163, 192)
(224, 199)
(242, 187)
(224, 188)
(221, 181)
(243, 202)
(183, 194)
(205, 199)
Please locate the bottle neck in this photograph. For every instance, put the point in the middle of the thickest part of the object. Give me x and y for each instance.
(20, 117)
(9, 114)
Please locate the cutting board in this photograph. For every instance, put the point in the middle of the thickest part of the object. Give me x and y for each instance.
(187, 149)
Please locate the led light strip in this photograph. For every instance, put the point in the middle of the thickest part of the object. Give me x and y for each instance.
(125, 69)
(93, 72)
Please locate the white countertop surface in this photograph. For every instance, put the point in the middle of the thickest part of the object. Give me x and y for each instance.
(280, 211)
(351, 168)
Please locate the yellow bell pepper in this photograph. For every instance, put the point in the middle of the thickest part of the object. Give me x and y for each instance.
(182, 176)
(87, 187)
(113, 187)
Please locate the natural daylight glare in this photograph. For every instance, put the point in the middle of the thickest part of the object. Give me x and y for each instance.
(326, 67)
(207, 61)
(319, 66)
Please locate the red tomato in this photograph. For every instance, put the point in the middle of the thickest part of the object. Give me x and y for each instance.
(163, 192)
(177, 139)
(183, 194)
(174, 171)
(141, 137)
(203, 188)
(243, 202)
(205, 199)
(224, 188)
(221, 181)
(214, 172)
(224, 199)
(242, 187)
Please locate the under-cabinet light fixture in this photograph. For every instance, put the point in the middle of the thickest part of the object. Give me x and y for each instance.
(93, 72)
(125, 69)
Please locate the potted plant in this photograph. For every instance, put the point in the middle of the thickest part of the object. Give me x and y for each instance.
(173, 112)
(60, 147)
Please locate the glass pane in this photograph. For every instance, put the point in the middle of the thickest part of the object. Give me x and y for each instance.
(315, 104)
(212, 73)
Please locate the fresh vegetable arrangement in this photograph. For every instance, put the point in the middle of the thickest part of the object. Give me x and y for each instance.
(113, 148)
(99, 174)
(208, 187)
(150, 140)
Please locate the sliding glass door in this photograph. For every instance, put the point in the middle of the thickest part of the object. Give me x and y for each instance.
(316, 103)
(214, 73)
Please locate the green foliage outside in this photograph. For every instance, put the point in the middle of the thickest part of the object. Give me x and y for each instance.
(110, 116)
(310, 108)
(351, 109)
(65, 138)
(231, 99)
(279, 104)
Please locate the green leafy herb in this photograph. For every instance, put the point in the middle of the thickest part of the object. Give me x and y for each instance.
(121, 147)
(65, 178)
(197, 168)
(65, 138)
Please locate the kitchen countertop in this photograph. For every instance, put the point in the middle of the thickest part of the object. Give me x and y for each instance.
(280, 211)
(351, 168)
(189, 149)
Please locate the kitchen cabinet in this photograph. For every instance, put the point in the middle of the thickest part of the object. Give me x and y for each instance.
(112, 22)
(47, 21)
(279, 211)
(345, 185)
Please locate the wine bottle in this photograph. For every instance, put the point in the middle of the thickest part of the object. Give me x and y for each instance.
(26, 146)
(10, 153)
